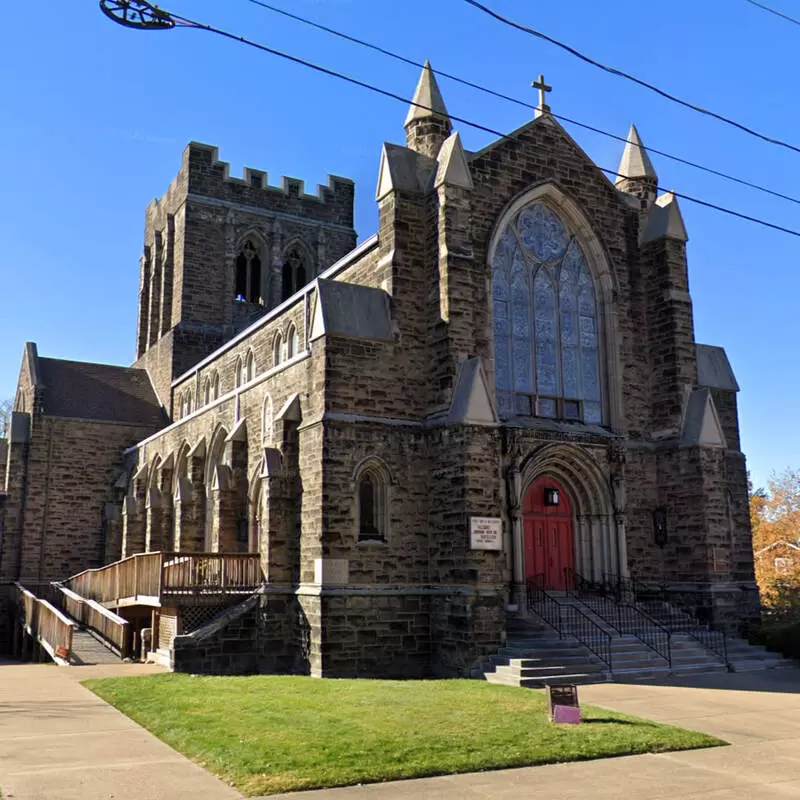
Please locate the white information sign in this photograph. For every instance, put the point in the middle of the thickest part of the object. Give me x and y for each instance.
(486, 533)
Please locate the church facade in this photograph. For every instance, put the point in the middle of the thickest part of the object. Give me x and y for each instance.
(502, 385)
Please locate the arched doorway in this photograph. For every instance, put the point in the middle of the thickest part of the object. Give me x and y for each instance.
(548, 532)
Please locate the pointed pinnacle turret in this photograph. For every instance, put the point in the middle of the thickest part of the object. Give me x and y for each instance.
(635, 162)
(427, 123)
(428, 96)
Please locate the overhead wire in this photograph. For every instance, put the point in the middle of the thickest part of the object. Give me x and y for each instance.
(190, 23)
(510, 98)
(773, 11)
(621, 74)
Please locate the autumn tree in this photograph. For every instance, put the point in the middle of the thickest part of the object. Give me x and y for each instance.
(775, 519)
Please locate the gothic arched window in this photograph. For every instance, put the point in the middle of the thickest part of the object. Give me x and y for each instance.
(248, 274)
(292, 344)
(215, 386)
(277, 350)
(239, 372)
(546, 331)
(250, 366)
(207, 392)
(372, 502)
(295, 270)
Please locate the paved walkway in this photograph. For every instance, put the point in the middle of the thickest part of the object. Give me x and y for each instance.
(758, 713)
(60, 742)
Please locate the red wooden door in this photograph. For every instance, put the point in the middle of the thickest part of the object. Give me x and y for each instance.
(549, 548)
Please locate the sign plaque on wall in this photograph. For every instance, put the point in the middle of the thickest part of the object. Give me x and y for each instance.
(486, 533)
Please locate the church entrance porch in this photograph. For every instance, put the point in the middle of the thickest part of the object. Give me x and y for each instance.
(548, 534)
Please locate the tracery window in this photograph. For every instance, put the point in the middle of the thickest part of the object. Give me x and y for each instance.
(546, 333)
(295, 270)
(248, 274)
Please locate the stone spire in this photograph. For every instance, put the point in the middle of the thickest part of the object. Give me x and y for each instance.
(427, 123)
(636, 173)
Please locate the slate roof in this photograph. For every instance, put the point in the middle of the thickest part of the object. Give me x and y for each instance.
(714, 370)
(99, 392)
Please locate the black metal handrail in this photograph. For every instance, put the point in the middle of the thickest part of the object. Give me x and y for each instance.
(567, 620)
(655, 601)
(626, 619)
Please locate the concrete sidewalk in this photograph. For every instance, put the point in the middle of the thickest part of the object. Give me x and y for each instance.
(58, 741)
(758, 713)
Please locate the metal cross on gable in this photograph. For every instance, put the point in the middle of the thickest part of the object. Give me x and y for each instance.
(543, 88)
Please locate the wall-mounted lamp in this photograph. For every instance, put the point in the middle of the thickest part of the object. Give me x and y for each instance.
(660, 526)
(551, 497)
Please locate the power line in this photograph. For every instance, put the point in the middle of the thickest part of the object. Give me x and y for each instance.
(774, 11)
(619, 73)
(189, 23)
(410, 61)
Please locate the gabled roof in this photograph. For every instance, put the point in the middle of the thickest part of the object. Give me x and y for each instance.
(714, 370)
(783, 542)
(98, 392)
(349, 309)
(701, 425)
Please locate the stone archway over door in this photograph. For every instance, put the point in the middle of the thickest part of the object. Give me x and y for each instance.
(548, 531)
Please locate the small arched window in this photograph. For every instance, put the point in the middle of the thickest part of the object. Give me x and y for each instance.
(215, 387)
(207, 392)
(250, 366)
(239, 371)
(372, 503)
(291, 342)
(295, 270)
(277, 349)
(248, 274)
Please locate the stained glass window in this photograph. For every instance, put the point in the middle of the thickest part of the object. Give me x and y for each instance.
(545, 321)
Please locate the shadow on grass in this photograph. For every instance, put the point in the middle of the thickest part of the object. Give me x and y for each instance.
(608, 721)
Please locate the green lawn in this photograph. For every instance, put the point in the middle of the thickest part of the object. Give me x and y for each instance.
(268, 734)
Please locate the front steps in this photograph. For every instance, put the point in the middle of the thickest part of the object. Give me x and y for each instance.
(535, 655)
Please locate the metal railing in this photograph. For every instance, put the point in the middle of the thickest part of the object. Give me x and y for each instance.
(567, 620)
(660, 605)
(624, 618)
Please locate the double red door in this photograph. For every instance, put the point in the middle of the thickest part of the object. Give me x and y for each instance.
(548, 531)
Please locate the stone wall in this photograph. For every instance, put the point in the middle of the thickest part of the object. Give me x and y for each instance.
(64, 477)
(260, 635)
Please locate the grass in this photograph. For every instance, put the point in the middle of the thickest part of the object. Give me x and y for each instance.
(269, 734)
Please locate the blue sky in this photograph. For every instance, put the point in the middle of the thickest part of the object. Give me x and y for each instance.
(95, 117)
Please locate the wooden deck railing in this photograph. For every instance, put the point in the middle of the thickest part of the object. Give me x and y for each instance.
(45, 623)
(207, 573)
(113, 628)
(147, 578)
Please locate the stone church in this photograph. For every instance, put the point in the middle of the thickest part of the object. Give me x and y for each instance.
(501, 385)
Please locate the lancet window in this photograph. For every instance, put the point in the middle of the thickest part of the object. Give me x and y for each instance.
(545, 321)
(248, 274)
(295, 270)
